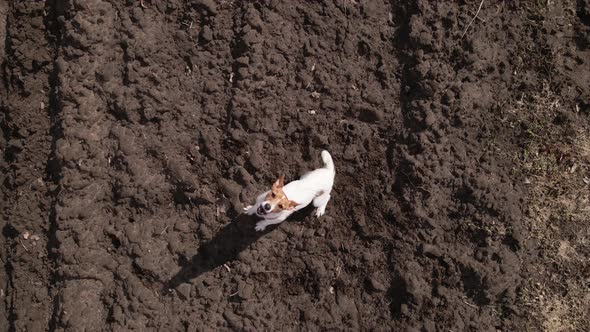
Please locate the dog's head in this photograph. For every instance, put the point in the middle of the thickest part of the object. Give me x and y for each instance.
(276, 200)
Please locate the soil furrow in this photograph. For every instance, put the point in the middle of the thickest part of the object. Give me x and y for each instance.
(81, 155)
(54, 9)
(288, 97)
(6, 307)
(436, 197)
(119, 183)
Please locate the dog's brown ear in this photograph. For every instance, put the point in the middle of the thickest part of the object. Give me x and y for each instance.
(292, 204)
(279, 183)
(282, 181)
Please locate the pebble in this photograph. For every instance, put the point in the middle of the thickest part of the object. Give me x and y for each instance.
(233, 320)
(430, 250)
(184, 291)
(230, 188)
(208, 5)
(256, 161)
(207, 34)
(245, 291)
(368, 113)
(211, 86)
(377, 285)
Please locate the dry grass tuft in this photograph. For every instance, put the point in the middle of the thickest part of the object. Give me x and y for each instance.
(553, 160)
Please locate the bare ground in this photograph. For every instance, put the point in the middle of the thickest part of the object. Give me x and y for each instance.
(134, 132)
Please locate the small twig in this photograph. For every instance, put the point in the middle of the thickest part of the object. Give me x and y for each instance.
(312, 76)
(300, 233)
(473, 19)
(230, 295)
(424, 189)
(415, 186)
(479, 18)
(22, 244)
(471, 305)
(142, 4)
(227, 267)
(164, 230)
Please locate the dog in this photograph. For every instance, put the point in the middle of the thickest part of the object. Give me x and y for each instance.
(277, 204)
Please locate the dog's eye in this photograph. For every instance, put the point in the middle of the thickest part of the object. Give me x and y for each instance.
(273, 195)
(281, 206)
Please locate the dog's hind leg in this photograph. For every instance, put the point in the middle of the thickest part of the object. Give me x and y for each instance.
(320, 203)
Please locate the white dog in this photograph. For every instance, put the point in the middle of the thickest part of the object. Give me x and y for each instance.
(282, 200)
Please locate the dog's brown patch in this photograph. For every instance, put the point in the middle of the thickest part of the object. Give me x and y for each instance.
(278, 198)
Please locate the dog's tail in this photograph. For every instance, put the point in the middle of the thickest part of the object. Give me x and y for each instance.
(327, 158)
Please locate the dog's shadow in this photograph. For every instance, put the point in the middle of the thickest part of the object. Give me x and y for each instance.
(224, 247)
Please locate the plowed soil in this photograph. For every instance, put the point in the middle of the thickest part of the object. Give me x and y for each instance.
(134, 132)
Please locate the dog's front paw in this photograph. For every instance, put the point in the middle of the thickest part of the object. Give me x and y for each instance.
(320, 212)
(249, 210)
(260, 226)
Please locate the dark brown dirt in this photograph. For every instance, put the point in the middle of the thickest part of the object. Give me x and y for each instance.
(133, 136)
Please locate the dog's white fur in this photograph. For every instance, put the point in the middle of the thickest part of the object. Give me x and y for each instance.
(314, 186)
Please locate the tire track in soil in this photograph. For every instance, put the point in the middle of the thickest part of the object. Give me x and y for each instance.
(6, 309)
(25, 124)
(130, 147)
(80, 158)
(54, 10)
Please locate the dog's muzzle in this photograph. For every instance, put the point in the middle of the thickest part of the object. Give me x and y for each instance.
(263, 209)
